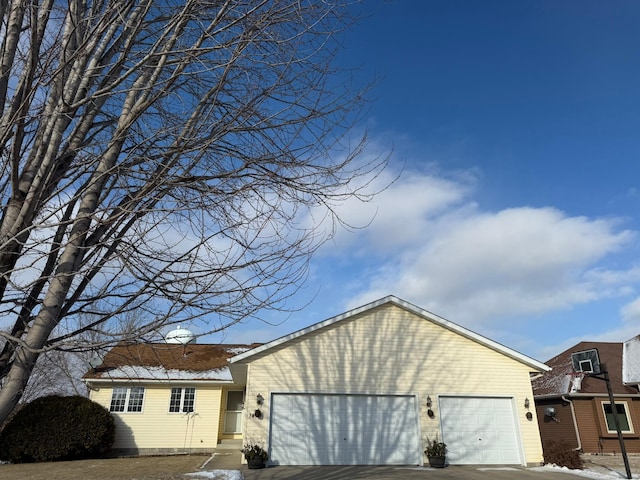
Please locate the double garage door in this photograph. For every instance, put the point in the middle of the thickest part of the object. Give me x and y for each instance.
(328, 429)
(480, 430)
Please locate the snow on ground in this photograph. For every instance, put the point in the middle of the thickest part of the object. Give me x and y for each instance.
(613, 475)
(219, 475)
(584, 473)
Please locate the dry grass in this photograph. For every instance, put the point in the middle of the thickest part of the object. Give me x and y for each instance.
(141, 468)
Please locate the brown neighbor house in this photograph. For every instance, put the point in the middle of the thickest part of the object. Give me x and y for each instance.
(575, 407)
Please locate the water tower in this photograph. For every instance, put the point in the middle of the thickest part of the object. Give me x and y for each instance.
(180, 336)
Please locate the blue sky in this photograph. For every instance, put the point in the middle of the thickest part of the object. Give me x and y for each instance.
(516, 215)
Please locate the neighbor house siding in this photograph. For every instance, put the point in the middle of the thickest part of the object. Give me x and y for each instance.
(561, 427)
(389, 350)
(156, 430)
(596, 438)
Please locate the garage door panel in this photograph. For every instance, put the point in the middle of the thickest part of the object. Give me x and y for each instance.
(344, 430)
(479, 430)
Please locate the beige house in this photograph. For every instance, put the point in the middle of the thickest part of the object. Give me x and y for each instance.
(169, 397)
(366, 387)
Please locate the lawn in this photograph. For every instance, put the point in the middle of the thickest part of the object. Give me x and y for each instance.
(140, 468)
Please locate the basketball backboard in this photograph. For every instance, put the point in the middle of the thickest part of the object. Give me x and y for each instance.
(586, 361)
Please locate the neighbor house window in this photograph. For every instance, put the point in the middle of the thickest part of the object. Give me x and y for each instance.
(182, 399)
(125, 399)
(622, 411)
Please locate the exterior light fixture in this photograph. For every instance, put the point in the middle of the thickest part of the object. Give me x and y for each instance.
(260, 399)
(429, 411)
(526, 403)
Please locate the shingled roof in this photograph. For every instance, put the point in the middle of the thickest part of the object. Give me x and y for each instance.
(164, 361)
(558, 380)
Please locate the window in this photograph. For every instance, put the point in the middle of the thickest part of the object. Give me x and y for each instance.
(623, 417)
(182, 399)
(127, 399)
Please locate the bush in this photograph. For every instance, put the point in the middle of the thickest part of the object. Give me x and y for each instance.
(57, 428)
(561, 454)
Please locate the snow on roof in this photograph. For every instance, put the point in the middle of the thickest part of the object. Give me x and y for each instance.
(138, 372)
(557, 382)
(167, 362)
(239, 350)
(631, 361)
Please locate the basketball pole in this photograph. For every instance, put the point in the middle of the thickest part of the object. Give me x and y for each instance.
(614, 411)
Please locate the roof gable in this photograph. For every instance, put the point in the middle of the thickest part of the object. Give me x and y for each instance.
(391, 300)
(558, 380)
(163, 361)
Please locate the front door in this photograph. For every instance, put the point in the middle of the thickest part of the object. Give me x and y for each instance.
(233, 413)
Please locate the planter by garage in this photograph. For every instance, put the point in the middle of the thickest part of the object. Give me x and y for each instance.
(437, 462)
(255, 455)
(256, 462)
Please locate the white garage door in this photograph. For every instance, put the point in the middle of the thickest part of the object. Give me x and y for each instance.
(480, 431)
(313, 429)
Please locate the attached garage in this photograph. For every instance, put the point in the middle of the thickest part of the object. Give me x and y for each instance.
(369, 386)
(480, 431)
(343, 429)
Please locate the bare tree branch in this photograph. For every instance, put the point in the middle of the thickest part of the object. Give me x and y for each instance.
(168, 160)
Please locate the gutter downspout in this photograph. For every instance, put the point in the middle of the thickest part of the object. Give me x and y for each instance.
(575, 423)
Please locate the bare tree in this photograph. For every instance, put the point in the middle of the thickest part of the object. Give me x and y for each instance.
(176, 158)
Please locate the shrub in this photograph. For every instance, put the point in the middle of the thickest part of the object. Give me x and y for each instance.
(561, 454)
(57, 428)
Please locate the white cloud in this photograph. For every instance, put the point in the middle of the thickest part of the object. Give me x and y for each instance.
(630, 313)
(431, 244)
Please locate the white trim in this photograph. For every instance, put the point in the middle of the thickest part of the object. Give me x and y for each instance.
(585, 395)
(127, 400)
(182, 399)
(536, 365)
(176, 381)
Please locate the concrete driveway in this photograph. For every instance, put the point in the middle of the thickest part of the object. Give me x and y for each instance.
(402, 473)
(231, 461)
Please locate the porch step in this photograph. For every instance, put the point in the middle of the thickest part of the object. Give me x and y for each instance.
(230, 444)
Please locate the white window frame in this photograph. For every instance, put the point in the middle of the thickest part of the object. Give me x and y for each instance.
(626, 413)
(127, 406)
(181, 395)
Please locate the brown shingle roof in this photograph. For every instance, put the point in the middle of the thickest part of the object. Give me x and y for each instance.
(164, 357)
(557, 381)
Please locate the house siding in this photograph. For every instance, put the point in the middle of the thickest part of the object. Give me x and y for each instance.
(388, 350)
(155, 430)
(593, 428)
(558, 428)
(591, 424)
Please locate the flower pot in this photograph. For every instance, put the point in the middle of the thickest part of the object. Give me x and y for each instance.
(255, 462)
(437, 462)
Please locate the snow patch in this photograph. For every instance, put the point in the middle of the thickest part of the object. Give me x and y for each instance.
(159, 373)
(581, 473)
(238, 350)
(219, 474)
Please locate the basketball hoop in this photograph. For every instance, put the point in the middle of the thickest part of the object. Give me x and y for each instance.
(586, 361)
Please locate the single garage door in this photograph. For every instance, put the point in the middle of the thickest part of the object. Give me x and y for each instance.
(321, 429)
(480, 431)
